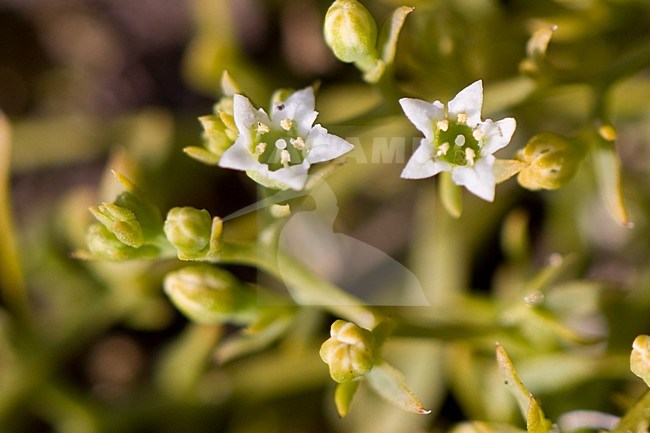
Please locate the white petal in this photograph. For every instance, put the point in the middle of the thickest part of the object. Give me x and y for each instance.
(239, 157)
(246, 115)
(497, 134)
(321, 146)
(423, 114)
(298, 107)
(293, 177)
(468, 101)
(478, 179)
(422, 164)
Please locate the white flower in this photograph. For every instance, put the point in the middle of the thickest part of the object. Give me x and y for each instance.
(457, 141)
(277, 150)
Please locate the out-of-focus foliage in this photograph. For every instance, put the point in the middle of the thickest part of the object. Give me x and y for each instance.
(559, 277)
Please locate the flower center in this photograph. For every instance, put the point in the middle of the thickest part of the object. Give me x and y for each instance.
(456, 143)
(278, 148)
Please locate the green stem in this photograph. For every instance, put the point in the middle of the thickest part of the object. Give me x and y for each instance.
(306, 287)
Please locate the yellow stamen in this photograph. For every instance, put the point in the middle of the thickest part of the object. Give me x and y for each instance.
(286, 124)
(298, 143)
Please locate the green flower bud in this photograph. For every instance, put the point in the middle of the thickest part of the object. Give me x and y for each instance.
(551, 161)
(121, 222)
(192, 232)
(104, 244)
(210, 295)
(349, 351)
(145, 212)
(350, 31)
(640, 358)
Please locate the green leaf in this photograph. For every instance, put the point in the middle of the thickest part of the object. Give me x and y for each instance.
(485, 427)
(608, 175)
(512, 381)
(11, 276)
(184, 360)
(251, 341)
(536, 422)
(637, 419)
(390, 33)
(389, 383)
(344, 394)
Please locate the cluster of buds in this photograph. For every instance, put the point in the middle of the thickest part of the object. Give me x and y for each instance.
(349, 352)
(129, 228)
(219, 129)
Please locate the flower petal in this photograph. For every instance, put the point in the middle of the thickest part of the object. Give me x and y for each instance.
(468, 101)
(239, 157)
(246, 115)
(497, 135)
(478, 179)
(293, 177)
(422, 164)
(423, 114)
(323, 146)
(298, 107)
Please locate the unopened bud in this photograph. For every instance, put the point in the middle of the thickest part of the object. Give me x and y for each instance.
(210, 295)
(640, 358)
(145, 212)
(349, 351)
(551, 161)
(350, 31)
(104, 244)
(121, 222)
(188, 229)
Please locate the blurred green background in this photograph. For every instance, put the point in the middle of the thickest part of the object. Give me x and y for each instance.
(93, 85)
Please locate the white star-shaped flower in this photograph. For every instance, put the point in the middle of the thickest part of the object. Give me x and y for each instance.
(457, 141)
(277, 150)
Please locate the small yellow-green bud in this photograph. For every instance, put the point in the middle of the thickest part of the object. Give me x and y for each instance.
(349, 351)
(104, 244)
(145, 212)
(551, 161)
(350, 31)
(188, 229)
(121, 222)
(216, 140)
(640, 358)
(210, 295)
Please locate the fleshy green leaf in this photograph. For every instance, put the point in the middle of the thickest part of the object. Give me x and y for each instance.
(390, 33)
(11, 277)
(343, 396)
(389, 383)
(512, 381)
(608, 175)
(536, 422)
(252, 341)
(485, 427)
(536, 49)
